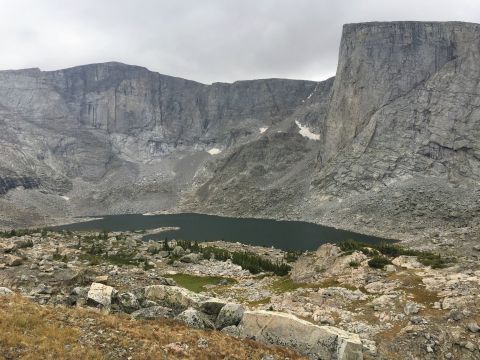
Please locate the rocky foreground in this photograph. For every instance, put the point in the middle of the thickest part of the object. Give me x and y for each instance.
(113, 292)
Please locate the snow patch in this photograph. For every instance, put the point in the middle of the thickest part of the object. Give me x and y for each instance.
(263, 129)
(66, 198)
(305, 132)
(214, 151)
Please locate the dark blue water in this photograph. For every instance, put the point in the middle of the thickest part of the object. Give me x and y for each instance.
(285, 235)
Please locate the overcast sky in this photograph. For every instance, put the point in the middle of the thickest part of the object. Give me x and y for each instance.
(203, 40)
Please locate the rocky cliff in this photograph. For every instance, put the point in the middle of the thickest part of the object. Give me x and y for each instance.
(120, 138)
(394, 134)
(401, 142)
(397, 151)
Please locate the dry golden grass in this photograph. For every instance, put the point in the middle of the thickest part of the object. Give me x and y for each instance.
(31, 331)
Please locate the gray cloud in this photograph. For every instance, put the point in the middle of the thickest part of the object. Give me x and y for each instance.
(207, 40)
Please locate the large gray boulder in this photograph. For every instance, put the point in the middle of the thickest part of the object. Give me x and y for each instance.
(100, 294)
(6, 291)
(192, 258)
(212, 306)
(128, 302)
(195, 319)
(230, 315)
(174, 297)
(317, 342)
(178, 251)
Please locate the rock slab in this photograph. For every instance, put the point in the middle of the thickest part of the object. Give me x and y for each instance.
(100, 294)
(318, 342)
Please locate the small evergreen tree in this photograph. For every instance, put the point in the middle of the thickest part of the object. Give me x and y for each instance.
(166, 246)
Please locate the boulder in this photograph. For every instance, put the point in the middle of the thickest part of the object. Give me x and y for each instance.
(13, 260)
(473, 327)
(70, 300)
(154, 248)
(168, 281)
(174, 297)
(230, 315)
(231, 330)
(7, 248)
(212, 306)
(100, 294)
(469, 345)
(390, 268)
(128, 302)
(191, 258)
(195, 319)
(178, 251)
(407, 262)
(322, 342)
(6, 291)
(411, 308)
(42, 289)
(79, 291)
(152, 313)
(455, 315)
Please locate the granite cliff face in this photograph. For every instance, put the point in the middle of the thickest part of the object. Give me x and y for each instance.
(401, 143)
(120, 138)
(394, 134)
(399, 125)
(415, 81)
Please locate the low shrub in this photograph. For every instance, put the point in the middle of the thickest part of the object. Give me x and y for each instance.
(354, 264)
(21, 232)
(256, 264)
(219, 254)
(378, 262)
(393, 250)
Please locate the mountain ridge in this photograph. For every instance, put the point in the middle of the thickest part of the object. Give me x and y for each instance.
(398, 121)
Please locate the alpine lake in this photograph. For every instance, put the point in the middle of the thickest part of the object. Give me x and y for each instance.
(286, 235)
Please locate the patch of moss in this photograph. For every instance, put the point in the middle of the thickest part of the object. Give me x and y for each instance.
(120, 259)
(259, 302)
(286, 284)
(329, 283)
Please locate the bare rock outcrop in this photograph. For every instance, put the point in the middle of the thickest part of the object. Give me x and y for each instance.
(318, 342)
